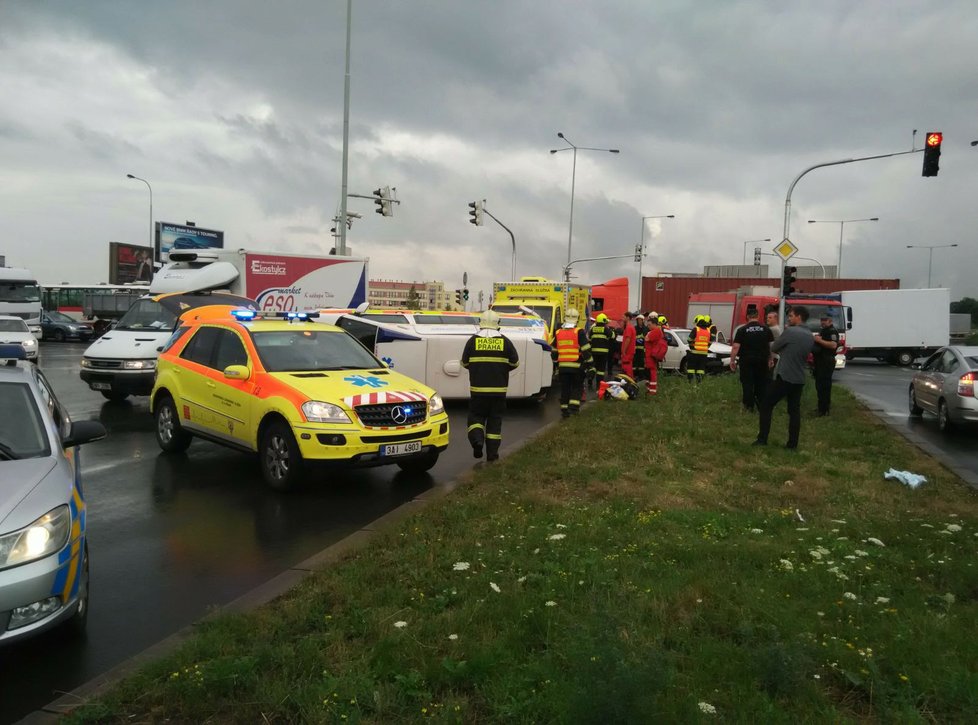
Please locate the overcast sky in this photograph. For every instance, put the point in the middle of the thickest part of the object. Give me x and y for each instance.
(233, 111)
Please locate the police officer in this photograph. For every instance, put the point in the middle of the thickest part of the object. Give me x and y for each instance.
(826, 345)
(699, 347)
(602, 335)
(490, 358)
(751, 352)
(573, 353)
(639, 360)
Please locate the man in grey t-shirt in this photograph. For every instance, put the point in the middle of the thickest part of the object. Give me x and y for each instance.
(793, 348)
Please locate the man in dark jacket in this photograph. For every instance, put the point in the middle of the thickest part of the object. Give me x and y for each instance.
(751, 352)
(793, 347)
(826, 345)
(490, 358)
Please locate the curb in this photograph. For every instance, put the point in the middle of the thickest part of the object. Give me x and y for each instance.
(965, 474)
(263, 593)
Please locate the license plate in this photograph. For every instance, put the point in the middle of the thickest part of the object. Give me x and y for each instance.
(100, 386)
(401, 449)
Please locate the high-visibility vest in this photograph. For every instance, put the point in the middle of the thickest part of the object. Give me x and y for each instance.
(600, 340)
(702, 341)
(568, 347)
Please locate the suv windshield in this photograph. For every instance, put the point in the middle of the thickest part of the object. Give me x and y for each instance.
(307, 350)
(13, 326)
(21, 428)
(20, 292)
(147, 315)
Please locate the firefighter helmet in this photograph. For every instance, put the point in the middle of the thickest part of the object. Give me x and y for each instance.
(572, 316)
(601, 318)
(489, 320)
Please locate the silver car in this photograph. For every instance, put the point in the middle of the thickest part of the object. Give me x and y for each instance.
(945, 385)
(43, 549)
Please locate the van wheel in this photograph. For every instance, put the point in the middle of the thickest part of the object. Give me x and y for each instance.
(420, 464)
(170, 435)
(943, 417)
(281, 460)
(904, 358)
(79, 620)
(915, 410)
(683, 366)
(114, 397)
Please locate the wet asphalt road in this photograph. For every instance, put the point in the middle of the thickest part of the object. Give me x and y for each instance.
(171, 537)
(885, 387)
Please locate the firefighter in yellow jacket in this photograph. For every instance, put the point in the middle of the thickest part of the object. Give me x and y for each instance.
(490, 358)
(573, 353)
(699, 347)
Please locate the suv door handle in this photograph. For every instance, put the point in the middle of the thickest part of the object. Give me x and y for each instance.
(211, 384)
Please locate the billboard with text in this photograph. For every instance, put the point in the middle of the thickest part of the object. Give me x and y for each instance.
(179, 236)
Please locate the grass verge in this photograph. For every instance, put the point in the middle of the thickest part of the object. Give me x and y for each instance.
(638, 563)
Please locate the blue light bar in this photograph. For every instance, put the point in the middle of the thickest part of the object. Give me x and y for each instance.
(295, 315)
(243, 315)
(12, 352)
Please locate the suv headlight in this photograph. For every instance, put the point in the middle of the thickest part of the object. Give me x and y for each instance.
(86, 363)
(435, 405)
(30, 343)
(318, 412)
(139, 365)
(42, 538)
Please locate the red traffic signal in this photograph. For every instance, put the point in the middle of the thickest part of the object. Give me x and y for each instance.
(932, 153)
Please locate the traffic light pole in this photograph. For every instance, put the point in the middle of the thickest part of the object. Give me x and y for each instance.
(513, 238)
(787, 201)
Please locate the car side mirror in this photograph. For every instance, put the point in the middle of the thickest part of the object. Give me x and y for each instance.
(83, 431)
(237, 372)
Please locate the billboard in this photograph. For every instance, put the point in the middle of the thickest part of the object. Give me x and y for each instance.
(284, 282)
(180, 236)
(130, 263)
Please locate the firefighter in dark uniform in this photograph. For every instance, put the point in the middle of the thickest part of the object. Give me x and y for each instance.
(699, 347)
(639, 360)
(573, 353)
(602, 336)
(490, 358)
(826, 345)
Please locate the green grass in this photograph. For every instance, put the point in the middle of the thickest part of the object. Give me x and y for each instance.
(641, 563)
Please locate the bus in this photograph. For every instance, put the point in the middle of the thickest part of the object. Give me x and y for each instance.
(21, 297)
(69, 299)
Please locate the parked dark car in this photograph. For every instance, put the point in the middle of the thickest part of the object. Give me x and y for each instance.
(59, 327)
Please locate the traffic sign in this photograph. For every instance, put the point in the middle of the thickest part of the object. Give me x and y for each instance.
(786, 249)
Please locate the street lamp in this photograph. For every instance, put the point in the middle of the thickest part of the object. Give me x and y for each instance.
(842, 225)
(930, 254)
(752, 241)
(641, 256)
(570, 233)
(130, 176)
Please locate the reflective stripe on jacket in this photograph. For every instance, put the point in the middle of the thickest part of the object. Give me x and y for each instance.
(701, 343)
(568, 346)
(600, 338)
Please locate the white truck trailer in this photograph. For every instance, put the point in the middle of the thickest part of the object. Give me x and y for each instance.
(897, 325)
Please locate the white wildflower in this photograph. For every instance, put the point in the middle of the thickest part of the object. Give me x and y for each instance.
(495, 587)
(875, 541)
(561, 526)
(787, 565)
(453, 637)
(953, 527)
(550, 603)
(521, 579)
(849, 595)
(882, 600)
(536, 551)
(461, 566)
(860, 552)
(849, 556)
(707, 708)
(838, 521)
(757, 531)
(927, 526)
(401, 624)
(801, 529)
(557, 537)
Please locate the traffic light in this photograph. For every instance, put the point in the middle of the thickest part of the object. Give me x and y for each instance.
(757, 256)
(458, 297)
(638, 252)
(932, 152)
(383, 201)
(787, 284)
(465, 294)
(475, 214)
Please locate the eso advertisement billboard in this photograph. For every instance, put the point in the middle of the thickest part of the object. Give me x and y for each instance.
(130, 263)
(179, 236)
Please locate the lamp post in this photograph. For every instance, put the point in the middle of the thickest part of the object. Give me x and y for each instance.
(641, 256)
(753, 241)
(152, 246)
(842, 225)
(930, 254)
(571, 146)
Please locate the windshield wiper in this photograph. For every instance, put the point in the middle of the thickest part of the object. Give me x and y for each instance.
(7, 453)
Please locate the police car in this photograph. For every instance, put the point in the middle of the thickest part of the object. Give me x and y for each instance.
(294, 391)
(43, 537)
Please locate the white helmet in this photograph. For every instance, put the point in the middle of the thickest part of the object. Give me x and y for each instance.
(489, 320)
(572, 316)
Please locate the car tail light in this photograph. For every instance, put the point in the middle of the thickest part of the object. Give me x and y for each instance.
(966, 385)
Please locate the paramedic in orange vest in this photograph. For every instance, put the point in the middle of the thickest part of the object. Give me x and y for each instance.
(628, 346)
(573, 353)
(490, 358)
(699, 346)
(655, 352)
